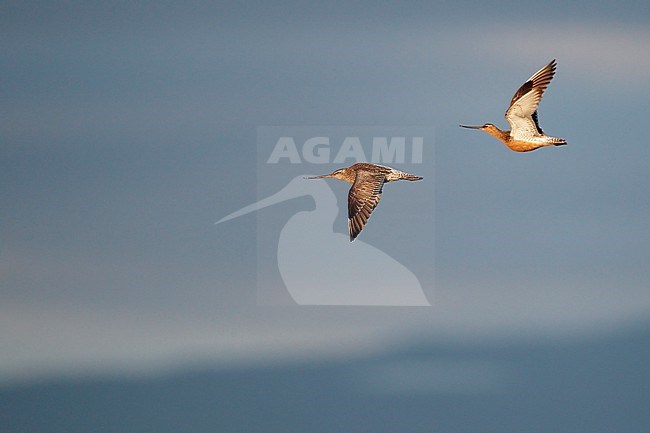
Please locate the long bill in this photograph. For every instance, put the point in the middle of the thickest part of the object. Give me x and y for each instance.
(471, 127)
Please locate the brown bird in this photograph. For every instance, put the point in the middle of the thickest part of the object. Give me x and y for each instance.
(525, 133)
(367, 182)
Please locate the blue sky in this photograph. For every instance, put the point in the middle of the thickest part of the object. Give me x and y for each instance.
(128, 130)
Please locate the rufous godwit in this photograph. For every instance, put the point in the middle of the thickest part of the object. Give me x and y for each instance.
(525, 133)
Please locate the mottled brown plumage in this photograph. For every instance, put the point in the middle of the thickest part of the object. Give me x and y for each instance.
(367, 183)
(525, 134)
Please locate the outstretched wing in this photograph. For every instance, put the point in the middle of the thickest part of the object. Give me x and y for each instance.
(522, 113)
(363, 197)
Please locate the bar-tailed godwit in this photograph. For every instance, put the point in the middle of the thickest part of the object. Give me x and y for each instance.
(525, 133)
(367, 182)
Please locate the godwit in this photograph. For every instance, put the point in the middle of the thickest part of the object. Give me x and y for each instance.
(525, 134)
(367, 182)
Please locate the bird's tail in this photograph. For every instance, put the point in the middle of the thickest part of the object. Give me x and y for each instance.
(395, 174)
(408, 176)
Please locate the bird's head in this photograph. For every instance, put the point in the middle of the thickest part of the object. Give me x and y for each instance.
(481, 127)
(343, 174)
(487, 127)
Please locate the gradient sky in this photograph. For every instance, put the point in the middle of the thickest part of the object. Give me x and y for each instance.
(127, 131)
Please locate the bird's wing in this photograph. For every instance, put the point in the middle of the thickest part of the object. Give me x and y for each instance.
(363, 197)
(522, 113)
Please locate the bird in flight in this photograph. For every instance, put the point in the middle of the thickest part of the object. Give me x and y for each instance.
(525, 133)
(367, 182)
